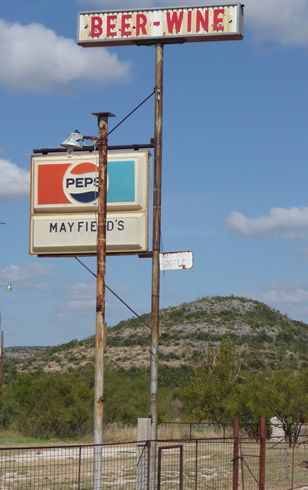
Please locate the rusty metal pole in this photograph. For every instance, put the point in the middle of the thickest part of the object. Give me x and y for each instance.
(100, 337)
(236, 430)
(262, 454)
(156, 250)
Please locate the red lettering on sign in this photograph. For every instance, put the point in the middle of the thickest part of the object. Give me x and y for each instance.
(111, 25)
(202, 20)
(174, 21)
(189, 14)
(218, 20)
(141, 22)
(96, 26)
(126, 25)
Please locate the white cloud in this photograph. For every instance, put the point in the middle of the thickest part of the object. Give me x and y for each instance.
(283, 297)
(14, 181)
(282, 21)
(291, 299)
(29, 276)
(81, 296)
(290, 220)
(35, 58)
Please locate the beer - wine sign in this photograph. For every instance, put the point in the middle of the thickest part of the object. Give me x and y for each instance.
(165, 25)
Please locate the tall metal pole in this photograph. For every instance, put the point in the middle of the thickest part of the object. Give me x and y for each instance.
(236, 431)
(262, 453)
(156, 247)
(100, 337)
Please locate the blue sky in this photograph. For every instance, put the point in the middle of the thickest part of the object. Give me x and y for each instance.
(235, 167)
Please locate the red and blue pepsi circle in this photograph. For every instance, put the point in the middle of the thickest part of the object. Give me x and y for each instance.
(80, 183)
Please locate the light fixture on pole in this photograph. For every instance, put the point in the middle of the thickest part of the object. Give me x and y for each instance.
(74, 141)
(8, 286)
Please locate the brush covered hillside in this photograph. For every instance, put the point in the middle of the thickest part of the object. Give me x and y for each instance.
(262, 337)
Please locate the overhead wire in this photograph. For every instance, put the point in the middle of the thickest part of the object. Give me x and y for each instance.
(114, 294)
(132, 112)
(80, 261)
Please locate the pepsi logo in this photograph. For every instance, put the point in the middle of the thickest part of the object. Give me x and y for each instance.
(80, 183)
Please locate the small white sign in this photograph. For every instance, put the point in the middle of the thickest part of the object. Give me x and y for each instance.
(173, 261)
(77, 234)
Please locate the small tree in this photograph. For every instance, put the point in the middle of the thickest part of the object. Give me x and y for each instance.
(210, 388)
(48, 405)
(289, 401)
(282, 394)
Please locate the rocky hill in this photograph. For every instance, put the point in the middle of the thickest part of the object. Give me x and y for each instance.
(262, 336)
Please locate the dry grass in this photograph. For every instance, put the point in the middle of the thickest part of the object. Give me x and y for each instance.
(180, 430)
(120, 433)
(112, 433)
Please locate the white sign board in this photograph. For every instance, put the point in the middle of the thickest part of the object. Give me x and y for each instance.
(77, 234)
(64, 191)
(175, 261)
(167, 25)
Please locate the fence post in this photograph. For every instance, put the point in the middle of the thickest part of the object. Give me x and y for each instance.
(293, 465)
(236, 430)
(149, 465)
(262, 454)
(181, 467)
(196, 466)
(79, 468)
(143, 453)
(158, 468)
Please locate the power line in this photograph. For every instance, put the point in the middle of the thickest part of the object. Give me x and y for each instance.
(80, 261)
(132, 112)
(114, 293)
(154, 354)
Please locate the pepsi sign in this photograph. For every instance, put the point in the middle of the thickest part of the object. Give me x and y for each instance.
(80, 183)
(64, 192)
(70, 183)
